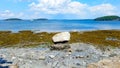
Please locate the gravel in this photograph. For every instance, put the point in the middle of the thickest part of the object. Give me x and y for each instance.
(80, 56)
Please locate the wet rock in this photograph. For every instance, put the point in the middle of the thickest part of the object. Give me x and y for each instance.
(60, 46)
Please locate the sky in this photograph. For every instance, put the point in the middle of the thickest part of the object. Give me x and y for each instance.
(58, 9)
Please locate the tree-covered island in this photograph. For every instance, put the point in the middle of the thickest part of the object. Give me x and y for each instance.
(13, 19)
(108, 18)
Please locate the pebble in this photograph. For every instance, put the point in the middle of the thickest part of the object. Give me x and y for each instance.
(42, 58)
(51, 56)
(69, 53)
(13, 58)
(79, 55)
(66, 55)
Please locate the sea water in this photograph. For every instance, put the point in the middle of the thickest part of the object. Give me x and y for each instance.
(58, 25)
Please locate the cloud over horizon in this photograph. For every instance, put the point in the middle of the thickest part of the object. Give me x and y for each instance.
(9, 14)
(63, 9)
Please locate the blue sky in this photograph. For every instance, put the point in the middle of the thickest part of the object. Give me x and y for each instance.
(58, 9)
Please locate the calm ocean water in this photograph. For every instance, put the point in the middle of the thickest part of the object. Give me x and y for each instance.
(58, 25)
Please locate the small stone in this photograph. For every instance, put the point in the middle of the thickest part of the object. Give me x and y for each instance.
(112, 55)
(81, 56)
(66, 55)
(69, 53)
(30, 61)
(13, 66)
(13, 58)
(78, 50)
(78, 64)
(42, 58)
(51, 56)
(69, 50)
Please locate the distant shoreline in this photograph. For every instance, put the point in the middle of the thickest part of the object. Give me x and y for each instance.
(102, 18)
(54, 31)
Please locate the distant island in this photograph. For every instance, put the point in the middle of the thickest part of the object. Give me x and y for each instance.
(108, 18)
(39, 19)
(12, 19)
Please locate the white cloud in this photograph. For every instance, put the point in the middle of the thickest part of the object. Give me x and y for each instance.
(9, 14)
(58, 6)
(62, 9)
(66, 7)
(104, 9)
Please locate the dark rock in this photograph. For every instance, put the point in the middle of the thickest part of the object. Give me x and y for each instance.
(60, 46)
(112, 55)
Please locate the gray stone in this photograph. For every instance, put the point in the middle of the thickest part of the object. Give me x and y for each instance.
(41, 57)
(51, 56)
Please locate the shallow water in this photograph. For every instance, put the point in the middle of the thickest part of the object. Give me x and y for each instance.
(58, 25)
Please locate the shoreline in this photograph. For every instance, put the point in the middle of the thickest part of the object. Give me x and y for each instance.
(56, 31)
(29, 38)
(87, 48)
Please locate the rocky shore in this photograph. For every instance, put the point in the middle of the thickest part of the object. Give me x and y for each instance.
(80, 55)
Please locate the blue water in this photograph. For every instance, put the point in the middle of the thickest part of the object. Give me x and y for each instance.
(58, 25)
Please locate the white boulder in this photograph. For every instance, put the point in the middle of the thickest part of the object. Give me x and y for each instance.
(61, 37)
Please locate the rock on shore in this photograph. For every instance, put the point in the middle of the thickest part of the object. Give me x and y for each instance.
(79, 56)
(61, 37)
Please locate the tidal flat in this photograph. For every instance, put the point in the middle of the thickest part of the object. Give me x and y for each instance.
(27, 38)
(88, 49)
